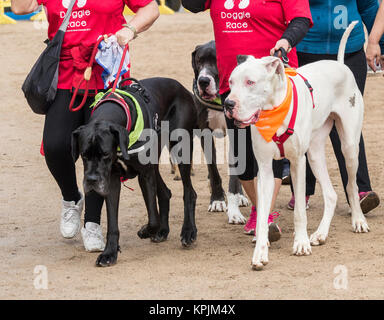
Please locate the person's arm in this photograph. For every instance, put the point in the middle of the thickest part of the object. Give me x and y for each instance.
(194, 5)
(144, 18)
(373, 50)
(24, 6)
(295, 32)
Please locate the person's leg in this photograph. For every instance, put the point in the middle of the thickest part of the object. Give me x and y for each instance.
(58, 127)
(246, 170)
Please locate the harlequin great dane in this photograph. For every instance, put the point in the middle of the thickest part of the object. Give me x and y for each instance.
(258, 85)
(210, 117)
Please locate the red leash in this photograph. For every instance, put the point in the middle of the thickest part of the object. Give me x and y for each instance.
(88, 75)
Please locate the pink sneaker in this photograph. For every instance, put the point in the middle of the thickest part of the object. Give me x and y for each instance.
(274, 231)
(291, 203)
(368, 201)
(250, 226)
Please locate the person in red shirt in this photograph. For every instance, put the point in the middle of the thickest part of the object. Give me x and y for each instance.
(89, 20)
(258, 28)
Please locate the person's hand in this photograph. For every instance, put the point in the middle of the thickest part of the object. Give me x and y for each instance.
(124, 35)
(373, 55)
(282, 43)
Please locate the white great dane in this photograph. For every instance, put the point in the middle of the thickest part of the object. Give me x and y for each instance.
(260, 84)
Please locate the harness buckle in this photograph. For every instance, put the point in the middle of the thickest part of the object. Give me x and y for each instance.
(290, 131)
(308, 85)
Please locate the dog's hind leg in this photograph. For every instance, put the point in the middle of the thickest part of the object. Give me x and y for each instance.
(349, 132)
(148, 185)
(317, 160)
(109, 255)
(163, 197)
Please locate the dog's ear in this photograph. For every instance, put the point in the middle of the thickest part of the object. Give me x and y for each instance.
(194, 66)
(241, 58)
(75, 143)
(122, 138)
(274, 65)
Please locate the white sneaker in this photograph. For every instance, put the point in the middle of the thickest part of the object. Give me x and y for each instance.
(92, 237)
(70, 218)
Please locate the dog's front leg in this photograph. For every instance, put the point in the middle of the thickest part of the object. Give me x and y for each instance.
(109, 255)
(148, 185)
(301, 244)
(265, 187)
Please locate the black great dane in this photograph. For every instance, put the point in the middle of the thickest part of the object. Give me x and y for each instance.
(108, 151)
(211, 116)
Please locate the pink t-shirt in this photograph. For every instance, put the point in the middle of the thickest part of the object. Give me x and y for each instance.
(89, 20)
(251, 27)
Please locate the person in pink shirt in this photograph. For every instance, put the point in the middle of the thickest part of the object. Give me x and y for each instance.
(89, 20)
(258, 28)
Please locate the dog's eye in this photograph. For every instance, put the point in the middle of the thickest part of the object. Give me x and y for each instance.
(250, 82)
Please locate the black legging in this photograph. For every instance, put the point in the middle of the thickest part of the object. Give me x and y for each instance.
(248, 158)
(356, 61)
(58, 127)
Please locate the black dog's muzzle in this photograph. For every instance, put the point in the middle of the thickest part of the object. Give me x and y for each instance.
(229, 105)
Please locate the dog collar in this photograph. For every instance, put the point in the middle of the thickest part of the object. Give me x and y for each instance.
(214, 105)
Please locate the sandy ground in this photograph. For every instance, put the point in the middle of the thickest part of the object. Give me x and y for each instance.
(218, 266)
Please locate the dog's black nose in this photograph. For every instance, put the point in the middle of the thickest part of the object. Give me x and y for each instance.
(229, 104)
(204, 82)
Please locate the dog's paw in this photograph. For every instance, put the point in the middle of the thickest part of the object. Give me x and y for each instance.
(147, 231)
(242, 200)
(188, 236)
(360, 225)
(318, 238)
(236, 218)
(106, 259)
(260, 256)
(160, 236)
(233, 212)
(217, 206)
(301, 246)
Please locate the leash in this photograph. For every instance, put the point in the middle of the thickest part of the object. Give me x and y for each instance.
(88, 75)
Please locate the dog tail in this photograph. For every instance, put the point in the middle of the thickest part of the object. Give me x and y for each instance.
(343, 41)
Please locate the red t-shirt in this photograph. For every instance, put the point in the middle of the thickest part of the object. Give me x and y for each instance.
(252, 30)
(89, 20)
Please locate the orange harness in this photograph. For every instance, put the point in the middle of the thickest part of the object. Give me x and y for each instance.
(270, 120)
